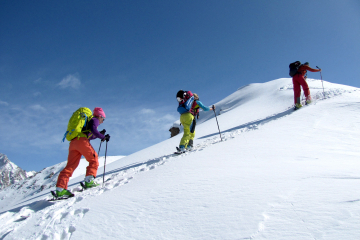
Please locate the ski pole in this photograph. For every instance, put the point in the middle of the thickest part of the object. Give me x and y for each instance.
(105, 164)
(99, 148)
(322, 82)
(217, 121)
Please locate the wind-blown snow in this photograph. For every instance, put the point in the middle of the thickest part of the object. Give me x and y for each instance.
(277, 174)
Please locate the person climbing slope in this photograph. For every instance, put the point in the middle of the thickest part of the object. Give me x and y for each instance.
(299, 80)
(188, 109)
(80, 146)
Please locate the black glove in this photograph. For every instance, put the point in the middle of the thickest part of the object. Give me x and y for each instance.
(107, 137)
(103, 132)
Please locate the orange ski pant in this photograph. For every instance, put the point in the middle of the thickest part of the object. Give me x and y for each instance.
(299, 80)
(77, 148)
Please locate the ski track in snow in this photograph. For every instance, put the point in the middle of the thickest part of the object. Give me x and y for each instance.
(57, 220)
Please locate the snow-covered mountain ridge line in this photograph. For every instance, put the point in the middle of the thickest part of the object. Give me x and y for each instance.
(10, 173)
(266, 93)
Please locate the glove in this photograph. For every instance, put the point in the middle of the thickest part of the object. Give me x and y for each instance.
(107, 137)
(103, 132)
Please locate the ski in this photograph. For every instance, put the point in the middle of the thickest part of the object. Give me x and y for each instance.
(179, 152)
(83, 185)
(85, 188)
(304, 103)
(193, 149)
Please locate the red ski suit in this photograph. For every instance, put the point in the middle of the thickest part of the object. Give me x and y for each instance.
(299, 80)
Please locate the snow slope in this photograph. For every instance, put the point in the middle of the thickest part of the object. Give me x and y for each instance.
(42, 182)
(277, 174)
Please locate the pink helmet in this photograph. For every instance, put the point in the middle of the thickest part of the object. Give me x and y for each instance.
(99, 112)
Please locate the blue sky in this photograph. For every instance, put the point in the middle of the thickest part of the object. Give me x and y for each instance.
(131, 57)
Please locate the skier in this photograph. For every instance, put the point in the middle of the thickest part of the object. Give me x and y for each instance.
(299, 80)
(189, 105)
(81, 146)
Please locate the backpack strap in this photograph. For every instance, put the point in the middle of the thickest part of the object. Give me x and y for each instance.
(194, 108)
(85, 129)
(65, 135)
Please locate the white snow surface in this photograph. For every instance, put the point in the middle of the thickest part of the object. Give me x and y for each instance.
(30, 174)
(276, 174)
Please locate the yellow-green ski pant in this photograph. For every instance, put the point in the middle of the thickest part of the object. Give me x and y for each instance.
(186, 120)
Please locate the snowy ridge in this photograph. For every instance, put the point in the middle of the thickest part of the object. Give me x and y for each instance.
(10, 173)
(254, 184)
(250, 94)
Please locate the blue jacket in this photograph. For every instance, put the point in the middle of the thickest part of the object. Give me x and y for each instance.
(202, 106)
(185, 107)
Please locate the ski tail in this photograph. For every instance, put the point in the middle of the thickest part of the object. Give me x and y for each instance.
(53, 194)
(83, 185)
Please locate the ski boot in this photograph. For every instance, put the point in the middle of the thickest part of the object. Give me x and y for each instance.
(297, 106)
(64, 193)
(190, 145)
(89, 182)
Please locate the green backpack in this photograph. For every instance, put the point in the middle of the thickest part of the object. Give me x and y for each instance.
(78, 123)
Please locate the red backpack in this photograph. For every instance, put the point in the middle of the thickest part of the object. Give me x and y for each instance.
(195, 111)
(187, 95)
